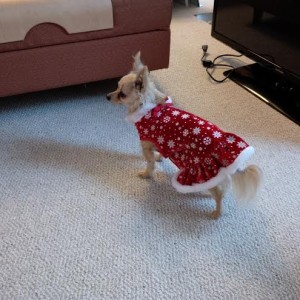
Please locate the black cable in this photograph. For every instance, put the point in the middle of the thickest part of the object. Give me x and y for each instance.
(208, 64)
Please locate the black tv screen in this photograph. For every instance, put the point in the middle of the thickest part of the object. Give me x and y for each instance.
(267, 31)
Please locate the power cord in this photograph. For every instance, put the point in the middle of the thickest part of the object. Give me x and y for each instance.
(211, 64)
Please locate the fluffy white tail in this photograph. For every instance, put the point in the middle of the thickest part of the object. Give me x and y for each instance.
(246, 183)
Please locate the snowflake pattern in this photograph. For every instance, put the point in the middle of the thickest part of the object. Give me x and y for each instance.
(167, 119)
(185, 132)
(215, 155)
(230, 139)
(171, 144)
(197, 147)
(225, 162)
(207, 141)
(217, 134)
(160, 139)
(207, 160)
(196, 130)
(241, 144)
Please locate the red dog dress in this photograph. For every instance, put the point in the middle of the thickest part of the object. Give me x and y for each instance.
(204, 154)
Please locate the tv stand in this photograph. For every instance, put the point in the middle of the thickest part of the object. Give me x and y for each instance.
(271, 87)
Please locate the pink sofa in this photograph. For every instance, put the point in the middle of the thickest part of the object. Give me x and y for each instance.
(49, 57)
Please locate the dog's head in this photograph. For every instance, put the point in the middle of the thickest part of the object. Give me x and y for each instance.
(136, 90)
(132, 86)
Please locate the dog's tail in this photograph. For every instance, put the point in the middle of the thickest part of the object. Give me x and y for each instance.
(246, 183)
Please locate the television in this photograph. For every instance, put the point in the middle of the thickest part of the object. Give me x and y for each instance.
(268, 32)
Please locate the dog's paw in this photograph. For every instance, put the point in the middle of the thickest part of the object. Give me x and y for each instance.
(215, 214)
(144, 175)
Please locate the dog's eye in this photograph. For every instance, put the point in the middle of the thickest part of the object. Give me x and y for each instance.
(121, 95)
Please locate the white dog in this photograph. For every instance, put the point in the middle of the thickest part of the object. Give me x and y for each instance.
(206, 156)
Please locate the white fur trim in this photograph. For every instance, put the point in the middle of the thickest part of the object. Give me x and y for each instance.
(141, 112)
(169, 100)
(221, 176)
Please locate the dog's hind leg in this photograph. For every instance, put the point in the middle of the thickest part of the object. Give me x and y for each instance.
(148, 152)
(217, 193)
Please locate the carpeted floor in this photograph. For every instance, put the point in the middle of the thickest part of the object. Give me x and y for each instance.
(77, 223)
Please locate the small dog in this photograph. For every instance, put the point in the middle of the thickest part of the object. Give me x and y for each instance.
(207, 157)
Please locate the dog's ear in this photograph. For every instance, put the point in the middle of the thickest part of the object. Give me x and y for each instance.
(141, 81)
(137, 63)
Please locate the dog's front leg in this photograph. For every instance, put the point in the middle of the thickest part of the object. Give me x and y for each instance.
(148, 152)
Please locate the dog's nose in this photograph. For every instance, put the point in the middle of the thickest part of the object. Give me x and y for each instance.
(108, 97)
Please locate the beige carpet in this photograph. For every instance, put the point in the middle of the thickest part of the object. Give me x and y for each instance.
(76, 222)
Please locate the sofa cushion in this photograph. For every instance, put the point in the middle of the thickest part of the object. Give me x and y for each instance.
(130, 17)
(18, 17)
